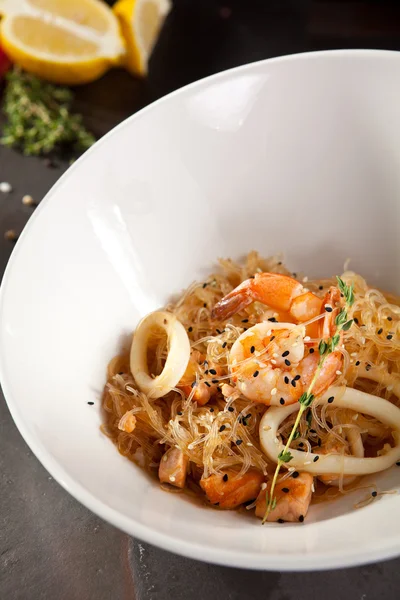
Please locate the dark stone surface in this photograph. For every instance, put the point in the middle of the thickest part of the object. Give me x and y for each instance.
(52, 547)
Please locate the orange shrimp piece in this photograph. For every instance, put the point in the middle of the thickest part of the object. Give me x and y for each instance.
(280, 292)
(173, 468)
(229, 491)
(293, 497)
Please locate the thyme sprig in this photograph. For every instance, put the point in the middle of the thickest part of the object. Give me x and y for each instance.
(325, 348)
(39, 117)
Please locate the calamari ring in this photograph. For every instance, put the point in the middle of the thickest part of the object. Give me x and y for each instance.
(177, 359)
(361, 402)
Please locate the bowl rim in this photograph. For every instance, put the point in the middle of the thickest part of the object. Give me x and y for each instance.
(227, 557)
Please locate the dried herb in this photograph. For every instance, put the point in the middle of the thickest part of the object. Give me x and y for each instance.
(39, 117)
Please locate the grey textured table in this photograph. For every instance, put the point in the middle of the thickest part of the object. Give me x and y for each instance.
(51, 547)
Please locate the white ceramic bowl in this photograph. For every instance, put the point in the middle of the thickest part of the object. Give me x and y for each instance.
(298, 154)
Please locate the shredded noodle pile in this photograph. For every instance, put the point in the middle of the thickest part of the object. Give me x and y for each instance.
(224, 432)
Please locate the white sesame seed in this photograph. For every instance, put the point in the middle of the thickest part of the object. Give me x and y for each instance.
(249, 444)
(275, 355)
(307, 338)
(353, 354)
(338, 372)
(355, 417)
(263, 486)
(308, 462)
(28, 200)
(276, 440)
(389, 388)
(269, 332)
(5, 187)
(273, 361)
(313, 488)
(172, 478)
(266, 428)
(291, 469)
(165, 458)
(273, 391)
(190, 447)
(305, 279)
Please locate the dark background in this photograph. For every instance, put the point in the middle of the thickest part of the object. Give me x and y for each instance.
(50, 546)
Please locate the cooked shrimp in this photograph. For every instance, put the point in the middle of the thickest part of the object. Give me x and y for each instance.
(276, 291)
(229, 491)
(198, 366)
(173, 468)
(293, 497)
(270, 365)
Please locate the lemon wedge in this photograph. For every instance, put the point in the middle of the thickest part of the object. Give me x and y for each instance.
(65, 41)
(141, 21)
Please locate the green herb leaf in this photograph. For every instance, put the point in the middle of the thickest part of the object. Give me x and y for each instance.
(322, 348)
(309, 418)
(285, 456)
(347, 325)
(306, 399)
(296, 435)
(341, 318)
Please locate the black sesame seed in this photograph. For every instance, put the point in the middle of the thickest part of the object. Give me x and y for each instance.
(286, 379)
(252, 277)
(315, 458)
(222, 428)
(214, 381)
(91, 403)
(204, 285)
(285, 490)
(358, 363)
(398, 463)
(282, 401)
(193, 384)
(205, 304)
(389, 337)
(312, 350)
(312, 431)
(206, 372)
(355, 320)
(301, 518)
(230, 408)
(180, 413)
(224, 344)
(319, 442)
(286, 353)
(216, 503)
(238, 442)
(207, 384)
(190, 329)
(301, 444)
(379, 331)
(374, 494)
(218, 331)
(390, 319)
(321, 287)
(331, 399)
(295, 474)
(245, 320)
(280, 262)
(297, 377)
(368, 367)
(293, 382)
(295, 275)
(281, 521)
(211, 410)
(121, 373)
(252, 349)
(213, 371)
(272, 320)
(287, 362)
(328, 309)
(256, 373)
(272, 338)
(225, 477)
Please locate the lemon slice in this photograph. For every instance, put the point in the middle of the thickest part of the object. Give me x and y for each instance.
(65, 41)
(141, 21)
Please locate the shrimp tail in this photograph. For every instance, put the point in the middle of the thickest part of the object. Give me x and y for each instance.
(273, 289)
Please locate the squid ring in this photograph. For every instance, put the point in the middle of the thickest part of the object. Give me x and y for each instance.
(350, 398)
(177, 359)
